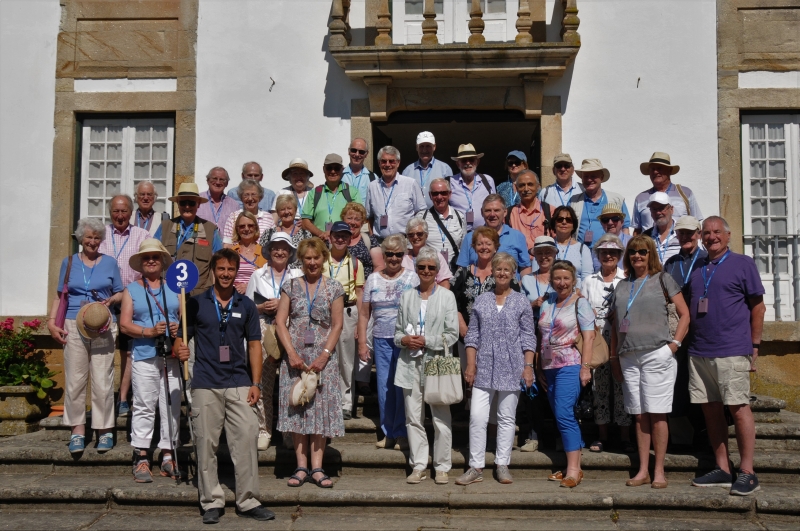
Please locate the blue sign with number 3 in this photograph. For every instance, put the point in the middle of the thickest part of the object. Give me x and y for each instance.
(182, 274)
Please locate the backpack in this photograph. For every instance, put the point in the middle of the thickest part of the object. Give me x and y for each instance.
(318, 195)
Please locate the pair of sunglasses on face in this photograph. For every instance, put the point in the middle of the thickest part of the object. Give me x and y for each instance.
(188, 203)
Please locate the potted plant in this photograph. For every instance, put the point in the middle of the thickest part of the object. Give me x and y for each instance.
(24, 378)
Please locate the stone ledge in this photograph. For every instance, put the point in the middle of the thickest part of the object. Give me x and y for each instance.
(781, 331)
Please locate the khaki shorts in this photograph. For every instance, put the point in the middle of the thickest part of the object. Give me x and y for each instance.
(725, 380)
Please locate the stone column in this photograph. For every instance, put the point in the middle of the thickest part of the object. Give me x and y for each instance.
(384, 25)
(429, 25)
(524, 23)
(476, 24)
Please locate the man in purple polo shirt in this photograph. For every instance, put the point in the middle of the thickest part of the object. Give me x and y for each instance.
(727, 308)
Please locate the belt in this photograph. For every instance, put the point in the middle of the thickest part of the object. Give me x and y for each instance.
(349, 304)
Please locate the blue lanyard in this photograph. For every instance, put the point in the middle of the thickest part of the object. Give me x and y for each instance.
(339, 268)
(514, 196)
(85, 281)
(148, 221)
(357, 183)
(561, 196)
(216, 214)
(706, 283)
(689, 273)
(592, 210)
(422, 319)
(553, 315)
(114, 242)
(532, 223)
(538, 293)
(662, 248)
(223, 325)
(387, 201)
(469, 193)
(475, 280)
(253, 263)
(331, 202)
(632, 297)
(565, 250)
(308, 296)
(185, 234)
(303, 202)
(422, 180)
(277, 291)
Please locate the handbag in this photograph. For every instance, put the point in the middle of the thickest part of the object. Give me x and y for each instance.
(270, 342)
(599, 345)
(303, 389)
(443, 379)
(672, 312)
(63, 298)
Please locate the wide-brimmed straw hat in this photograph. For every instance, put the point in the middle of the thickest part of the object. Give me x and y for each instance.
(150, 245)
(467, 151)
(659, 157)
(296, 163)
(281, 237)
(593, 165)
(93, 320)
(611, 209)
(189, 191)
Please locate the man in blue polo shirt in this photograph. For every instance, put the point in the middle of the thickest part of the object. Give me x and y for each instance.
(225, 388)
(512, 241)
(427, 167)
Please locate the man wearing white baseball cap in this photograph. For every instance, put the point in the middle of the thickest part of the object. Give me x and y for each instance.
(660, 169)
(663, 231)
(427, 168)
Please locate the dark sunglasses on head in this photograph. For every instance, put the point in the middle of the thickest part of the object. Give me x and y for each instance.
(423, 267)
(564, 220)
(390, 254)
(438, 194)
(615, 219)
(187, 203)
(640, 252)
(359, 151)
(563, 166)
(333, 167)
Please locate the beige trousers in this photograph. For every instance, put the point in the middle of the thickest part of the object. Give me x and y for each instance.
(415, 424)
(213, 409)
(80, 359)
(347, 349)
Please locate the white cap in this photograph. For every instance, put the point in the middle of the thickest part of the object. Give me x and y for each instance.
(659, 197)
(425, 136)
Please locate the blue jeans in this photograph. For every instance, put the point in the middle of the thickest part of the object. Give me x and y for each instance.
(390, 397)
(563, 390)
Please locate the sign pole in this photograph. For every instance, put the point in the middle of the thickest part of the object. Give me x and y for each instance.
(185, 334)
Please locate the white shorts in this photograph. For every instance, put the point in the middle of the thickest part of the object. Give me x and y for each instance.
(649, 380)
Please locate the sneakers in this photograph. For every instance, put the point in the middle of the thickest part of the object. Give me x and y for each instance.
(503, 475)
(170, 470)
(385, 443)
(441, 478)
(105, 443)
(715, 478)
(745, 485)
(470, 476)
(211, 516)
(260, 513)
(263, 441)
(141, 472)
(401, 444)
(124, 409)
(77, 444)
(417, 476)
(531, 445)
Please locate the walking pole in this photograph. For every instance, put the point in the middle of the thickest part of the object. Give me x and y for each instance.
(172, 447)
(186, 395)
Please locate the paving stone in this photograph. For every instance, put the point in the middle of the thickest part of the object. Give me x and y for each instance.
(50, 520)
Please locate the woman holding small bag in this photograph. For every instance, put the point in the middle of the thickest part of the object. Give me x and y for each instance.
(427, 324)
(313, 306)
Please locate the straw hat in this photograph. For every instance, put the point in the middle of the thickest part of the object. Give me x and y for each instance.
(466, 151)
(150, 245)
(93, 320)
(188, 191)
(303, 389)
(593, 165)
(659, 157)
(611, 209)
(296, 163)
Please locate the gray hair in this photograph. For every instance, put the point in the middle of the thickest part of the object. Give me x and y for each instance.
(208, 175)
(417, 222)
(246, 164)
(503, 258)
(717, 218)
(282, 199)
(395, 242)
(89, 225)
(441, 180)
(608, 237)
(428, 254)
(491, 198)
(140, 184)
(389, 150)
(247, 184)
(126, 197)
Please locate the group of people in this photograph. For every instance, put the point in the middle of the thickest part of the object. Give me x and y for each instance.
(529, 286)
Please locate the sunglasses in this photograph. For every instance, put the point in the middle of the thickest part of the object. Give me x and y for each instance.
(334, 168)
(151, 258)
(359, 151)
(416, 234)
(188, 203)
(341, 235)
(469, 160)
(640, 252)
(615, 219)
(248, 226)
(513, 162)
(388, 162)
(423, 267)
(565, 220)
(563, 166)
(439, 194)
(390, 254)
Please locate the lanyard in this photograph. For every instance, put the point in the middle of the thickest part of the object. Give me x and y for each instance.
(565, 250)
(185, 234)
(303, 202)
(554, 314)
(561, 196)
(421, 318)
(85, 281)
(223, 324)
(538, 293)
(218, 212)
(387, 201)
(469, 193)
(243, 257)
(662, 248)
(532, 223)
(689, 273)
(422, 180)
(592, 211)
(331, 201)
(632, 297)
(514, 196)
(114, 243)
(339, 268)
(706, 283)
(357, 183)
(476, 280)
(308, 296)
(276, 290)
(155, 299)
(147, 222)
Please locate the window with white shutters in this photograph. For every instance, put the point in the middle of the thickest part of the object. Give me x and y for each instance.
(117, 154)
(452, 17)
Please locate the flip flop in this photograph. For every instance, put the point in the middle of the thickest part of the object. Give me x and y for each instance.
(300, 480)
(598, 445)
(318, 482)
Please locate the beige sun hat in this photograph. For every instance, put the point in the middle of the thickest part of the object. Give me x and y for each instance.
(296, 163)
(466, 151)
(611, 209)
(593, 165)
(303, 389)
(150, 245)
(562, 157)
(687, 223)
(93, 320)
(659, 157)
(188, 191)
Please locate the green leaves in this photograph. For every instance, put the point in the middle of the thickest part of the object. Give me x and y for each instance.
(17, 364)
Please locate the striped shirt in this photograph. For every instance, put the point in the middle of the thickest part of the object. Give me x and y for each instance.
(264, 218)
(217, 213)
(121, 246)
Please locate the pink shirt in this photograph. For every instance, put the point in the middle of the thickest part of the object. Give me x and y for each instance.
(121, 246)
(444, 269)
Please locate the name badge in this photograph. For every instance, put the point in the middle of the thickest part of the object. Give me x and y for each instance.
(383, 221)
(308, 338)
(547, 352)
(470, 217)
(588, 237)
(623, 326)
(328, 226)
(702, 305)
(234, 314)
(224, 354)
(445, 255)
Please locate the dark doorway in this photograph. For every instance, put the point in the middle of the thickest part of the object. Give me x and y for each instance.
(493, 133)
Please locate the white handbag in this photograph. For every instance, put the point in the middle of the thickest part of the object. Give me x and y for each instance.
(443, 379)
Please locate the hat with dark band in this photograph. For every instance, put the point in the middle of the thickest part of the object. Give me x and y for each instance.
(467, 151)
(659, 157)
(188, 191)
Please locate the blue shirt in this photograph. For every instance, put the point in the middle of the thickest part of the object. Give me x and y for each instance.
(203, 324)
(554, 195)
(507, 192)
(589, 221)
(216, 241)
(465, 200)
(400, 202)
(680, 267)
(145, 348)
(360, 181)
(103, 278)
(512, 242)
(424, 176)
(265, 204)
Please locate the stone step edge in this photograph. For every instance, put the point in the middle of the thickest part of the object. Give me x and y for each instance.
(575, 500)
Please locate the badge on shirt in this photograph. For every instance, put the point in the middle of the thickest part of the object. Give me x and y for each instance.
(547, 352)
(383, 221)
(308, 338)
(328, 226)
(623, 326)
(588, 237)
(224, 353)
(702, 305)
(470, 217)
(234, 314)
(445, 255)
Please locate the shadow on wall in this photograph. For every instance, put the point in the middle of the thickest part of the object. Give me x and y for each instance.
(339, 89)
(560, 86)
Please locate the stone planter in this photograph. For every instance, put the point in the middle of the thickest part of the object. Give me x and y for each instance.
(20, 410)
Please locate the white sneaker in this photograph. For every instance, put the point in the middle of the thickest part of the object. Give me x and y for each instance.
(531, 445)
(417, 476)
(263, 441)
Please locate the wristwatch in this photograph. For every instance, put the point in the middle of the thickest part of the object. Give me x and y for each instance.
(260, 386)
(327, 351)
(530, 365)
(676, 342)
(756, 345)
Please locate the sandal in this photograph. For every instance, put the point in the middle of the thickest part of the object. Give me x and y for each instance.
(318, 482)
(598, 445)
(628, 447)
(571, 482)
(556, 476)
(300, 480)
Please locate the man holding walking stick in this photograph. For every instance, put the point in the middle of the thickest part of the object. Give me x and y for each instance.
(225, 387)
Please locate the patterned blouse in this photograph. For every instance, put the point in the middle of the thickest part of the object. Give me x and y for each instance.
(558, 341)
(361, 252)
(467, 287)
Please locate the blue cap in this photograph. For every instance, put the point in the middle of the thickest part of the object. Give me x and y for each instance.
(519, 154)
(341, 226)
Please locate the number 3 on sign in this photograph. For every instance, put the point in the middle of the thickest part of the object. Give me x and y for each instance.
(182, 274)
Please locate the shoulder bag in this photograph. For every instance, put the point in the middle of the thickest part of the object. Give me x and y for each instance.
(672, 312)
(63, 298)
(443, 379)
(599, 346)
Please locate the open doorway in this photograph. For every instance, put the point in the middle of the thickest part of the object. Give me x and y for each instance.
(493, 133)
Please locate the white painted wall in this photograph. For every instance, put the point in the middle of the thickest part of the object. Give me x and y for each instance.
(28, 33)
(669, 48)
(240, 45)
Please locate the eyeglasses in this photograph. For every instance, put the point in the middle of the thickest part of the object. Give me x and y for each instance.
(440, 194)
(423, 267)
(359, 151)
(565, 220)
(151, 258)
(563, 166)
(513, 162)
(416, 234)
(389, 254)
(469, 160)
(640, 252)
(388, 162)
(248, 226)
(615, 219)
(187, 203)
(341, 235)
(336, 168)
(250, 196)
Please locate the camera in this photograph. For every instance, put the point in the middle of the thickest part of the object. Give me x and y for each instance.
(164, 346)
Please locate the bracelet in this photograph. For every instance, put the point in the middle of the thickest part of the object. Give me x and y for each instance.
(328, 351)
(142, 332)
(530, 365)
(586, 365)
(756, 345)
